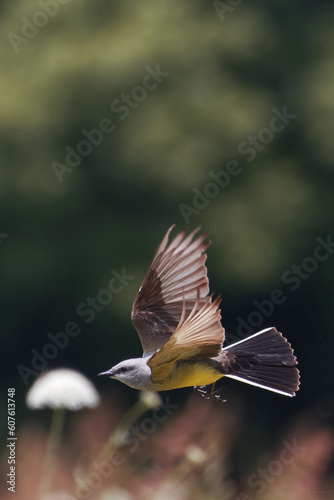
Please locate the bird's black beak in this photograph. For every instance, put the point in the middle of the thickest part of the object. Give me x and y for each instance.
(108, 373)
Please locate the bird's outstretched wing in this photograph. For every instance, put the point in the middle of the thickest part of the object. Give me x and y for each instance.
(175, 280)
(199, 335)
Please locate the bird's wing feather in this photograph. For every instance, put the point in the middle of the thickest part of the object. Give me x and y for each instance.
(176, 275)
(199, 335)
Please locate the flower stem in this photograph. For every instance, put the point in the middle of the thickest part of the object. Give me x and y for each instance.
(52, 447)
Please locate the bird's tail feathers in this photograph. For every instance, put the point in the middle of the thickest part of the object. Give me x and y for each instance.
(265, 360)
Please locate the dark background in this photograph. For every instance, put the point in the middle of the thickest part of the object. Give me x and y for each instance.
(227, 72)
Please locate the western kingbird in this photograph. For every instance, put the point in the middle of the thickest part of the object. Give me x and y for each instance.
(179, 327)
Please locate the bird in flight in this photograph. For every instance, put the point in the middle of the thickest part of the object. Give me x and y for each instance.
(179, 326)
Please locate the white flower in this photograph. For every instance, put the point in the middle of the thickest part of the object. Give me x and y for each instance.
(59, 495)
(116, 494)
(150, 399)
(62, 388)
(195, 455)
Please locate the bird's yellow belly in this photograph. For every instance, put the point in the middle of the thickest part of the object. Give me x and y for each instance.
(190, 374)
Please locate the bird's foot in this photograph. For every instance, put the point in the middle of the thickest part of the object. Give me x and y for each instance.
(204, 390)
(208, 391)
(217, 395)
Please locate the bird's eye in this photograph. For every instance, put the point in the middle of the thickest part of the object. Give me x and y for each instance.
(123, 369)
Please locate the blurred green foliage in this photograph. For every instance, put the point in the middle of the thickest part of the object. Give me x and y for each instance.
(225, 77)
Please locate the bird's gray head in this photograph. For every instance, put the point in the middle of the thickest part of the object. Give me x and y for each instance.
(133, 372)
